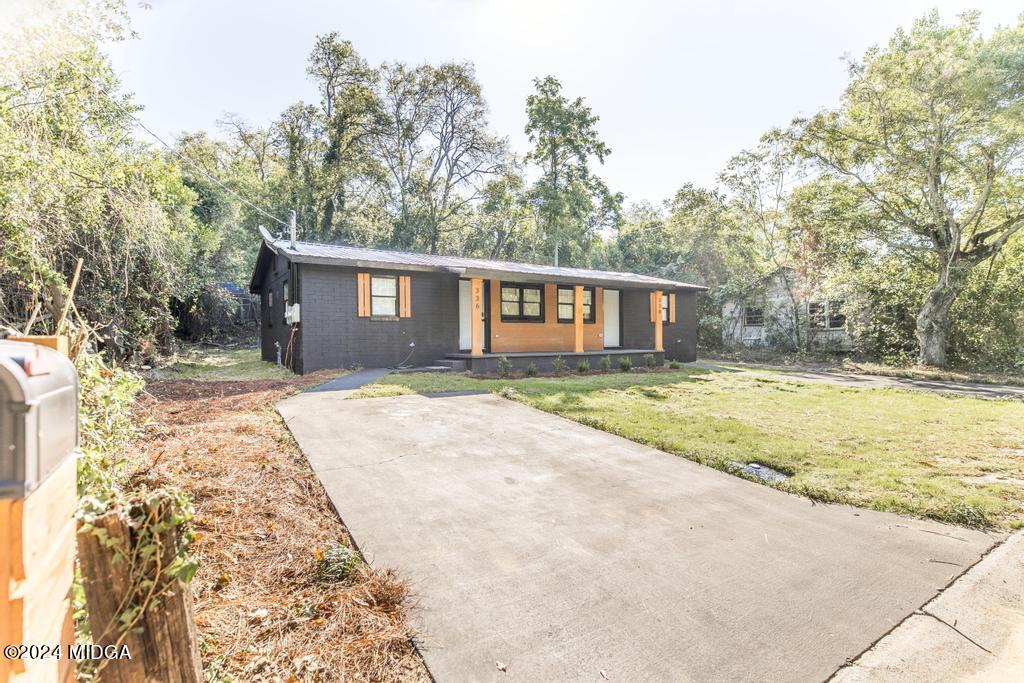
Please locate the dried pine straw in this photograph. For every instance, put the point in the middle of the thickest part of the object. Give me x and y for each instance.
(261, 518)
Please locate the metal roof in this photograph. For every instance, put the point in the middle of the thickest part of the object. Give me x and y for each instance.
(333, 254)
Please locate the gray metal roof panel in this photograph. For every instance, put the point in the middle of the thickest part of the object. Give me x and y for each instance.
(343, 253)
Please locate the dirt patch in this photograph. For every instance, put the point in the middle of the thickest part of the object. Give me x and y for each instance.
(262, 521)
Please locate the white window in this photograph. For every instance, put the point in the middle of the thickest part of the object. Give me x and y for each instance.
(826, 315)
(383, 295)
(567, 304)
(664, 307)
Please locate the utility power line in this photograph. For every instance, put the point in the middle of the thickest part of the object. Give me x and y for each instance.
(173, 151)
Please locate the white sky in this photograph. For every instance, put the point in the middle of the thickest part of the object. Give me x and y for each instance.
(680, 86)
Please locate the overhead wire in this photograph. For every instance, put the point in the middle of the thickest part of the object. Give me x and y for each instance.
(174, 151)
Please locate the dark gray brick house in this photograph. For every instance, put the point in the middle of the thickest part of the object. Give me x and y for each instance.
(333, 306)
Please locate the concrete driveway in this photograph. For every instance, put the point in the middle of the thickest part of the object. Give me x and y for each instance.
(566, 553)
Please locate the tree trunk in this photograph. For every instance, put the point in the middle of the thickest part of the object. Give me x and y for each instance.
(933, 321)
(162, 639)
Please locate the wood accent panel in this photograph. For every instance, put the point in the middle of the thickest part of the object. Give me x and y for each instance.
(57, 342)
(404, 296)
(477, 297)
(659, 343)
(363, 280)
(577, 317)
(36, 568)
(550, 335)
(672, 307)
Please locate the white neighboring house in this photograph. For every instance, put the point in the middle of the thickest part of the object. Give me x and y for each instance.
(775, 317)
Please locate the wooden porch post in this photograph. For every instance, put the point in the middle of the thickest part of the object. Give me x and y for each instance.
(477, 316)
(659, 343)
(577, 319)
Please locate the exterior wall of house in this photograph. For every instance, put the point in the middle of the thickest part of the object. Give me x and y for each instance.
(273, 329)
(549, 335)
(680, 337)
(779, 326)
(334, 336)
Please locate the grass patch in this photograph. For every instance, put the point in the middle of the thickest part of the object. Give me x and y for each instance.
(954, 459)
(210, 364)
(381, 391)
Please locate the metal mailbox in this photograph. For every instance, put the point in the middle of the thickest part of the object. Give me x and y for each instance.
(38, 415)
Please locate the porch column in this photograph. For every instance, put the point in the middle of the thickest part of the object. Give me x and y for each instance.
(577, 319)
(477, 315)
(659, 342)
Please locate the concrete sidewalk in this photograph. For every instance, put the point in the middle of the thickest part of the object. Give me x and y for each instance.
(564, 552)
(973, 630)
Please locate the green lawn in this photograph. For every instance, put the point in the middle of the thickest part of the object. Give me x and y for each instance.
(959, 460)
(215, 364)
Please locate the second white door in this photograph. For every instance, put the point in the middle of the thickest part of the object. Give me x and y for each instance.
(612, 333)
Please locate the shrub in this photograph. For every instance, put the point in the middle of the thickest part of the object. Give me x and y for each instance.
(558, 365)
(532, 370)
(625, 364)
(606, 363)
(106, 425)
(649, 360)
(674, 364)
(583, 365)
(504, 366)
(337, 562)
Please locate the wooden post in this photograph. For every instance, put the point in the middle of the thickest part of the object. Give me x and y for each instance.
(659, 344)
(577, 319)
(71, 297)
(477, 315)
(163, 642)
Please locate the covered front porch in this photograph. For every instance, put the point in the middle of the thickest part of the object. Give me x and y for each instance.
(531, 320)
(487, 363)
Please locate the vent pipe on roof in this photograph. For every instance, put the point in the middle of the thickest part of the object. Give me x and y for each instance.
(291, 227)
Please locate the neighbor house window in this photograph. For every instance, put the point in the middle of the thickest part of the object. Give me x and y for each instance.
(753, 316)
(522, 303)
(836, 317)
(567, 304)
(383, 296)
(826, 315)
(664, 307)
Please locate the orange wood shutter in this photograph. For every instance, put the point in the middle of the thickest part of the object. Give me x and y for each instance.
(653, 304)
(672, 307)
(364, 294)
(404, 296)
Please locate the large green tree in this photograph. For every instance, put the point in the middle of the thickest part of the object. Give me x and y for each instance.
(570, 201)
(75, 183)
(930, 130)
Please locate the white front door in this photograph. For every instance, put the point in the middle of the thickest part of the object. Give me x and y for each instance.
(465, 315)
(611, 319)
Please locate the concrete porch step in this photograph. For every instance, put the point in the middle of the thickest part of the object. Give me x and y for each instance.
(452, 363)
